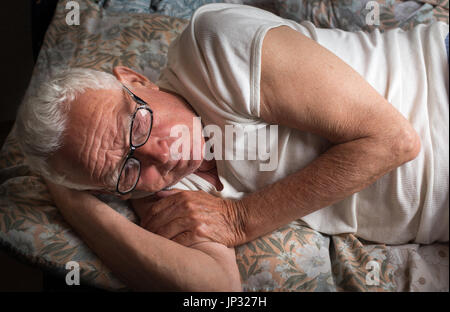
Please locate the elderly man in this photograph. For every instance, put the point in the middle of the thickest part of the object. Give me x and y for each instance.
(362, 155)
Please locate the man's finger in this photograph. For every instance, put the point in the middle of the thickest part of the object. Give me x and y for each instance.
(155, 208)
(175, 227)
(164, 217)
(163, 204)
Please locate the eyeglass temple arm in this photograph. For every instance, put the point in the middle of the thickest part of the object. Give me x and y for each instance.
(138, 99)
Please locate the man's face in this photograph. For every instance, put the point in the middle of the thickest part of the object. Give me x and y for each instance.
(97, 138)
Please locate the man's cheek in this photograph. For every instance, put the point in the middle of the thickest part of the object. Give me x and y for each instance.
(149, 180)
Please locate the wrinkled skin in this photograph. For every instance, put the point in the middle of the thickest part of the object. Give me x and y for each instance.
(191, 217)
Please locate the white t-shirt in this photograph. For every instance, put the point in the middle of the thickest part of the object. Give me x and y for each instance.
(215, 65)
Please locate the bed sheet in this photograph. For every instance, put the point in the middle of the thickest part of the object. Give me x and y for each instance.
(293, 258)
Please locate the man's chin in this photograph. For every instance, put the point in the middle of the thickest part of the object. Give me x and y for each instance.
(140, 194)
(137, 194)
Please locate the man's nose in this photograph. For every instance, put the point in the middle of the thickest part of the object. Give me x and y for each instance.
(156, 150)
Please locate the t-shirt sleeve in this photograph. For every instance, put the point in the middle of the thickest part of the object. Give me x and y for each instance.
(217, 58)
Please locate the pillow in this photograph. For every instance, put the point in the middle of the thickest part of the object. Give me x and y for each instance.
(185, 8)
(131, 6)
(179, 8)
(350, 15)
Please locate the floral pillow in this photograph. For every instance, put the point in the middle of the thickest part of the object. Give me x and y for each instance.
(130, 6)
(353, 15)
(179, 8)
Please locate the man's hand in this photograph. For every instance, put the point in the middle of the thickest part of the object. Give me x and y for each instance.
(191, 217)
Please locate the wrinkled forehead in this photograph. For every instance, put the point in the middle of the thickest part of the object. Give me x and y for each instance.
(95, 103)
(95, 139)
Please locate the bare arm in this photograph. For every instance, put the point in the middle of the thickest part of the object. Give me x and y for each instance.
(143, 260)
(304, 86)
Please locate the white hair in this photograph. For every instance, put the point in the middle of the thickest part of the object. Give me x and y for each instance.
(42, 117)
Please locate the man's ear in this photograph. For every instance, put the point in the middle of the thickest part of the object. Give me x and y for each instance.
(129, 77)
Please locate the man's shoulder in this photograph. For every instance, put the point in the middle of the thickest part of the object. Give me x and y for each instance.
(226, 19)
(210, 15)
(213, 63)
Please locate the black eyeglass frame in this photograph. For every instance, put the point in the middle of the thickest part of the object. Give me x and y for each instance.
(142, 105)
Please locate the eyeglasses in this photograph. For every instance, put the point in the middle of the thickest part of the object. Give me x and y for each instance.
(141, 127)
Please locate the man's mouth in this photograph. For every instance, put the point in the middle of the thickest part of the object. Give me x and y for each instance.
(136, 194)
(140, 194)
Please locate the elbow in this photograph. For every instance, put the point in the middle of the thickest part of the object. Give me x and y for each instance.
(406, 145)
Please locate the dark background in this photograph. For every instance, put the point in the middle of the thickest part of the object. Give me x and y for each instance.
(16, 58)
(22, 28)
(16, 61)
